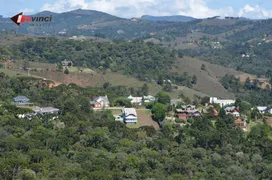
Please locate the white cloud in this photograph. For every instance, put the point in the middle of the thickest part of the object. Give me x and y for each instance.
(254, 12)
(132, 8)
(27, 10)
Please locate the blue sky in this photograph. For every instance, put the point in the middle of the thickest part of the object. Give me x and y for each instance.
(130, 8)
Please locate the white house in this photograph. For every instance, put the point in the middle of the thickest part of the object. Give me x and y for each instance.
(129, 115)
(221, 102)
(139, 100)
(262, 109)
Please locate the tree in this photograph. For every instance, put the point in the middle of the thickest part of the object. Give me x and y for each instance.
(247, 84)
(238, 102)
(158, 111)
(180, 54)
(255, 114)
(203, 67)
(222, 113)
(106, 85)
(167, 87)
(144, 89)
(194, 79)
(163, 98)
(160, 80)
(25, 65)
(66, 71)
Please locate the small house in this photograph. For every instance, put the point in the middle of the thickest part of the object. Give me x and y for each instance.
(268, 111)
(185, 112)
(21, 100)
(101, 102)
(149, 98)
(66, 63)
(221, 102)
(46, 110)
(261, 109)
(233, 111)
(129, 115)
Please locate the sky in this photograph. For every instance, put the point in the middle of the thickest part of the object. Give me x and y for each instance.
(254, 9)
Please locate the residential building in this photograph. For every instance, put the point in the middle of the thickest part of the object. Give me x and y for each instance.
(149, 98)
(66, 63)
(21, 100)
(129, 115)
(41, 111)
(233, 111)
(262, 109)
(45, 110)
(101, 102)
(221, 102)
(268, 111)
(185, 112)
(140, 100)
(241, 124)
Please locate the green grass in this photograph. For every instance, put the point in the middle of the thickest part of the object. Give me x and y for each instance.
(133, 125)
(116, 111)
(12, 73)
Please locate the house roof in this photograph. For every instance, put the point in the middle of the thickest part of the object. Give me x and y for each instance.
(45, 110)
(231, 108)
(188, 106)
(20, 98)
(261, 108)
(100, 98)
(129, 111)
(187, 111)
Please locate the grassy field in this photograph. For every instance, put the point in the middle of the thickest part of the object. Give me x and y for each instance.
(12, 73)
(207, 81)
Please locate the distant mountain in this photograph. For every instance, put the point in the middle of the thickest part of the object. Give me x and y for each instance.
(176, 18)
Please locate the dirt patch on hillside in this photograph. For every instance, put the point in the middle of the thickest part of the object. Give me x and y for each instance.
(81, 79)
(144, 118)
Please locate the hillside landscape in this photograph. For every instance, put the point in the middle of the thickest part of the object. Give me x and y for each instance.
(94, 96)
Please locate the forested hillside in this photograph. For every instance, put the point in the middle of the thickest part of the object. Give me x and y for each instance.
(90, 145)
(142, 60)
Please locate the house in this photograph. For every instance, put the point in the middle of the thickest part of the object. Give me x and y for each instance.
(129, 115)
(41, 111)
(135, 100)
(233, 111)
(261, 109)
(210, 110)
(268, 111)
(241, 124)
(221, 102)
(139, 100)
(101, 102)
(185, 112)
(21, 100)
(134, 19)
(149, 98)
(45, 110)
(66, 63)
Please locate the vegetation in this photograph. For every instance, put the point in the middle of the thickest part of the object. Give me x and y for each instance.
(91, 145)
(249, 91)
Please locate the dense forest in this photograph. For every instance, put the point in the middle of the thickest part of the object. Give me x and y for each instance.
(92, 146)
